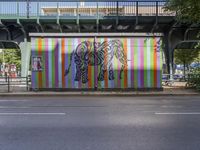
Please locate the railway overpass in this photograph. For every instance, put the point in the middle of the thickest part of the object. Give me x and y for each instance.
(19, 18)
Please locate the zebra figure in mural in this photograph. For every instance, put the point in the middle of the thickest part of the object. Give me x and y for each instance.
(97, 54)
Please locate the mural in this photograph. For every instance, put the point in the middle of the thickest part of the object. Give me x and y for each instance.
(88, 63)
(93, 53)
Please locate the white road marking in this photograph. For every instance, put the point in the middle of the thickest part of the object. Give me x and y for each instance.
(11, 100)
(171, 106)
(177, 113)
(32, 114)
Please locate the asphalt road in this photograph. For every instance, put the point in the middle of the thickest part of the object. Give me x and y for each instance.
(100, 123)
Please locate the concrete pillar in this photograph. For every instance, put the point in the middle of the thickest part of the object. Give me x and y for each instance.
(170, 51)
(25, 48)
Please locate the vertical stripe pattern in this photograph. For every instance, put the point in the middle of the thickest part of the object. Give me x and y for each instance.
(141, 58)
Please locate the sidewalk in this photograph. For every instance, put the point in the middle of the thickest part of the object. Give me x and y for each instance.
(166, 92)
(178, 89)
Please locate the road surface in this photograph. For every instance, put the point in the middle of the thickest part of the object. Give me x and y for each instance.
(100, 123)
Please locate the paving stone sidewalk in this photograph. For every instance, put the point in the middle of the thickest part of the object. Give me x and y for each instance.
(177, 89)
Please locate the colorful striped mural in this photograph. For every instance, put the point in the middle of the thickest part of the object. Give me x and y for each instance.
(88, 63)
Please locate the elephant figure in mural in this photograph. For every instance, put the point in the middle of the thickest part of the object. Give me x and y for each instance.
(97, 54)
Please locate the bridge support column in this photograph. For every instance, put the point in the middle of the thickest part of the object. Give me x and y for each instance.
(25, 57)
(176, 34)
(170, 51)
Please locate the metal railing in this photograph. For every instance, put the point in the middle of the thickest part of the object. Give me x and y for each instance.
(36, 9)
(7, 83)
(170, 79)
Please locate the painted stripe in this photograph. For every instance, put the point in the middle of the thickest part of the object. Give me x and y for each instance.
(53, 62)
(158, 63)
(33, 51)
(43, 64)
(161, 62)
(148, 63)
(74, 69)
(142, 63)
(56, 62)
(66, 54)
(99, 66)
(129, 61)
(119, 69)
(152, 63)
(109, 59)
(63, 62)
(90, 70)
(105, 63)
(96, 63)
(122, 74)
(139, 63)
(40, 55)
(102, 82)
(132, 61)
(46, 63)
(80, 40)
(125, 66)
(155, 62)
(86, 65)
(136, 63)
(93, 71)
(145, 63)
(113, 81)
(112, 68)
(71, 75)
(60, 63)
(115, 69)
(50, 49)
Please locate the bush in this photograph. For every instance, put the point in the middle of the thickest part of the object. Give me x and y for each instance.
(194, 79)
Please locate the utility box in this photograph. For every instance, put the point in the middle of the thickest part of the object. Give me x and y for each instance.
(96, 61)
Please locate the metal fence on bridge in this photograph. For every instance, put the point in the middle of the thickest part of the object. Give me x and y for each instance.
(35, 9)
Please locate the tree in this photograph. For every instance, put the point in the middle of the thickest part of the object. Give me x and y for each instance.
(187, 11)
(11, 56)
(186, 56)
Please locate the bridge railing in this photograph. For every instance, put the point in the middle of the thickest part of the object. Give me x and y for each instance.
(32, 9)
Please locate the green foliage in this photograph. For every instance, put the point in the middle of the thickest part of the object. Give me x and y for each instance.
(194, 79)
(186, 56)
(11, 56)
(188, 11)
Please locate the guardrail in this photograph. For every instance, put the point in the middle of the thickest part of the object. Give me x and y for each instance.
(35, 9)
(7, 82)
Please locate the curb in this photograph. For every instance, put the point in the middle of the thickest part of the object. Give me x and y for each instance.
(95, 94)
